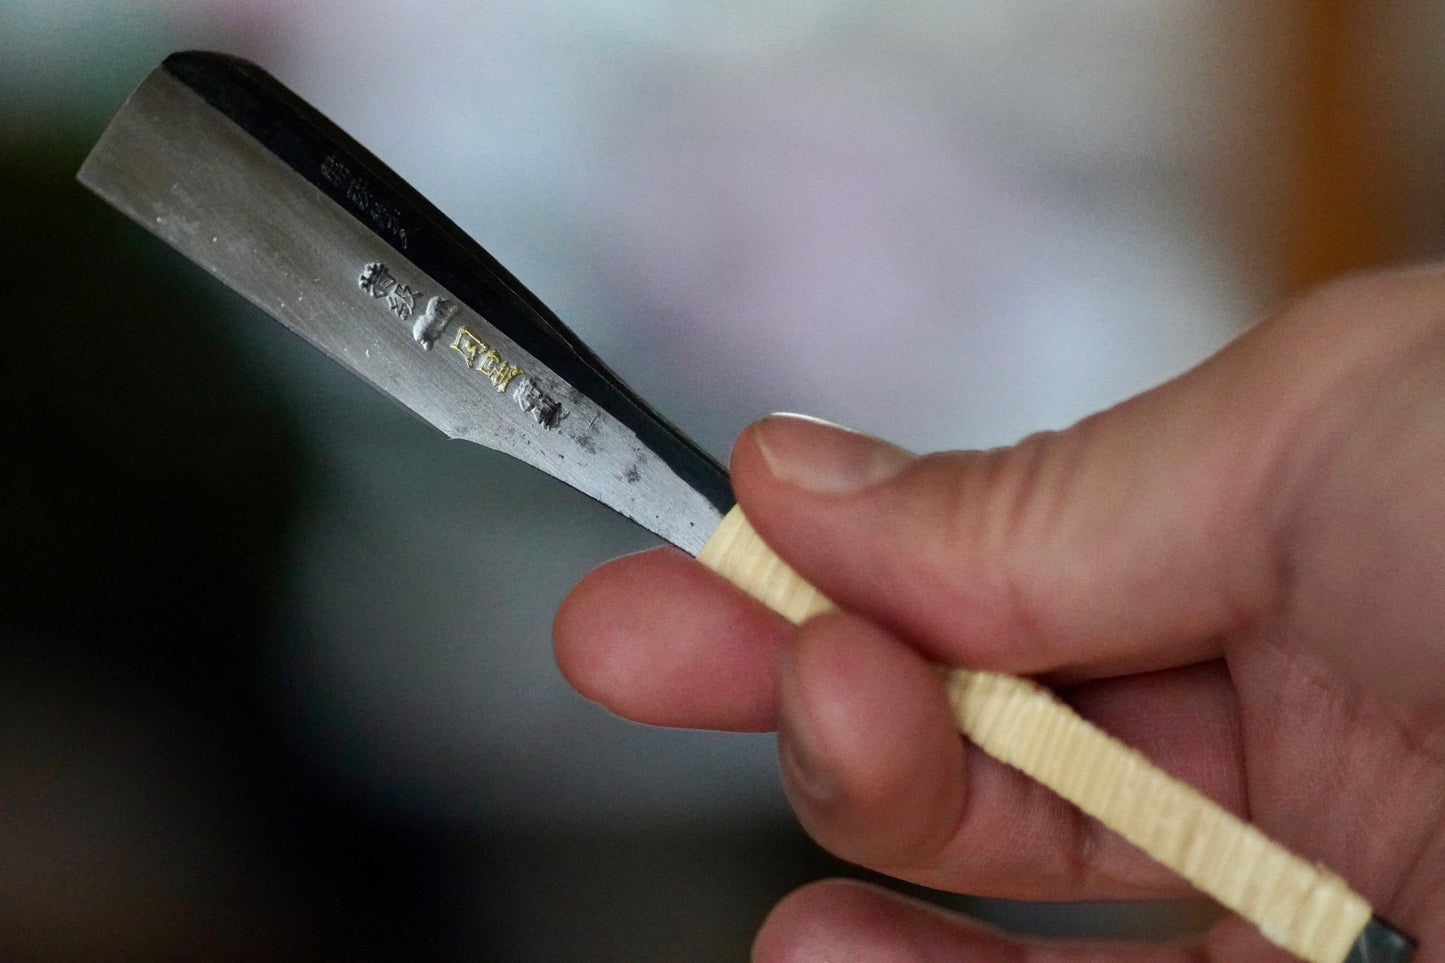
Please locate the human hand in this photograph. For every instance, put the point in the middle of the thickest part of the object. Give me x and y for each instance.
(1237, 573)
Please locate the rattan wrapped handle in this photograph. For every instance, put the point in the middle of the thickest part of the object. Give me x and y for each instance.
(1296, 904)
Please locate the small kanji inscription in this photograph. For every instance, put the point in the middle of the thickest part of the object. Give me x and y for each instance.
(378, 281)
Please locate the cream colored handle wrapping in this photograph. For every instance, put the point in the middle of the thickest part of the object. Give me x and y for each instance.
(1296, 904)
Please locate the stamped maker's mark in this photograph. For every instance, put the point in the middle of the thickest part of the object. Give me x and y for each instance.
(544, 409)
(483, 358)
(428, 326)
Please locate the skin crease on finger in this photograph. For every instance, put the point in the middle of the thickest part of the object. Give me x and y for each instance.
(1273, 514)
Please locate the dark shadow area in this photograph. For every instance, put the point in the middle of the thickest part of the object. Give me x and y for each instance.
(152, 805)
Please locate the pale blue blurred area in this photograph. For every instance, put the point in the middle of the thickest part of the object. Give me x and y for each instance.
(819, 196)
(951, 224)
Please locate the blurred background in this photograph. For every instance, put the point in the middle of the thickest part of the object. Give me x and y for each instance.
(275, 668)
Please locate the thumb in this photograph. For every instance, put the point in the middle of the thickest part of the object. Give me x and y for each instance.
(1131, 541)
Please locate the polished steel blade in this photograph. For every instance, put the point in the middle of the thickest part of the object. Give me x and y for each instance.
(239, 175)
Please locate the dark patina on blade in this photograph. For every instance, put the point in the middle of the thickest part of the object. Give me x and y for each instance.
(245, 178)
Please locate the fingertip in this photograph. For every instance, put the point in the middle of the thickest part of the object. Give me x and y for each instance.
(746, 460)
(658, 639)
(844, 920)
(816, 456)
(584, 625)
(847, 921)
(871, 758)
(832, 919)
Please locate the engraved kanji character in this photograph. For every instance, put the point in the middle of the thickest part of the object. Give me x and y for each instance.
(402, 301)
(544, 409)
(500, 373)
(376, 280)
(334, 171)
(470, 346)
(483, 358)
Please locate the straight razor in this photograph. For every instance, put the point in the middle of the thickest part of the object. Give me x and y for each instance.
(244, 178)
